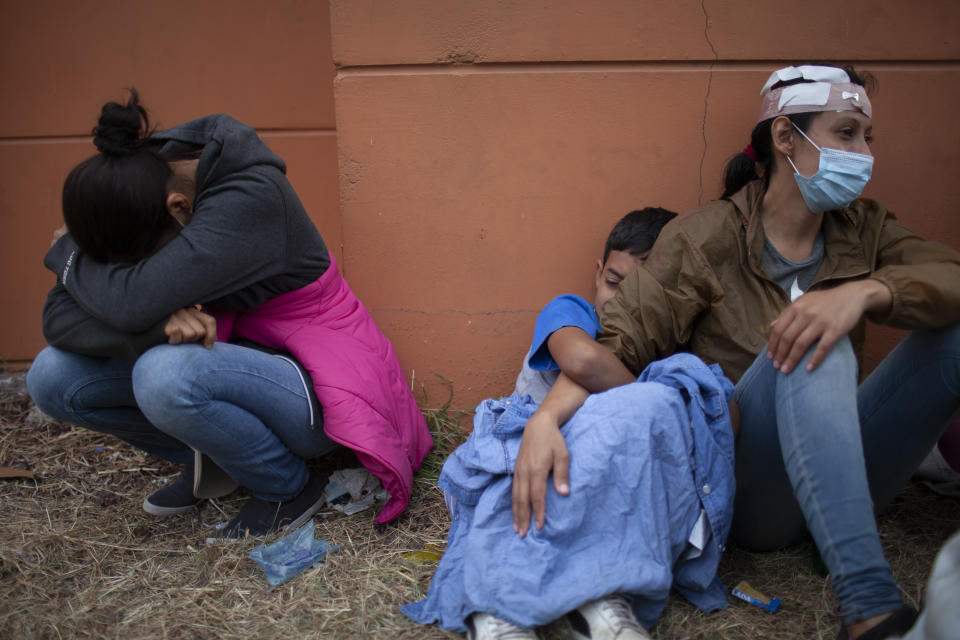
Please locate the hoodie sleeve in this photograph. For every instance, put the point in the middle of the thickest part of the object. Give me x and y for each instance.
(236, 238)
(67, 326)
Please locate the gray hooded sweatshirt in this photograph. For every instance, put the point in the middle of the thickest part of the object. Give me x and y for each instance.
(249, 240)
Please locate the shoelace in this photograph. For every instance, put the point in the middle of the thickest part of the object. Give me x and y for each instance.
(621, 615)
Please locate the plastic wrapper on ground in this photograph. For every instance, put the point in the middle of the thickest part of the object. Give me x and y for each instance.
(291, 554)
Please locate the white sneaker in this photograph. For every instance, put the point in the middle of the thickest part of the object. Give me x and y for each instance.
(607, 618)
(483, 626)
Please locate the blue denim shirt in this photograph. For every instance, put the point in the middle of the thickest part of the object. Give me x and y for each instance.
(646, 461)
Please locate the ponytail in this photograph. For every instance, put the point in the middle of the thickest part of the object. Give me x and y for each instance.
(740, 170)
(114, 203)
(121, 128)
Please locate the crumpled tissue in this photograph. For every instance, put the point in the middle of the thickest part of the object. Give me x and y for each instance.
(353, 490)
(291, 554)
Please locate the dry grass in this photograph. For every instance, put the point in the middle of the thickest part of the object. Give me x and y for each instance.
(80, 559)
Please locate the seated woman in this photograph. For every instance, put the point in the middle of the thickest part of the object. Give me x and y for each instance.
(203, 214)
(774, 282)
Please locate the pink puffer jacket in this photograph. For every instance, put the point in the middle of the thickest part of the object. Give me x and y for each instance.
(366, 402)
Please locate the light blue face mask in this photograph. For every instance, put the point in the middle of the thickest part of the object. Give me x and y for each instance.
(839, 180)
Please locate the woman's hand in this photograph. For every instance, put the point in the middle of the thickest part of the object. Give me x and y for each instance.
(191, 325)
(542, 450)
(822, 317)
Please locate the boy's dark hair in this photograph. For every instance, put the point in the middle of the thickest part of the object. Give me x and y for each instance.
(636, 232)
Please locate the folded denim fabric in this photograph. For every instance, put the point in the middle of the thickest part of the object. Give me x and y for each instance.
(646, 461)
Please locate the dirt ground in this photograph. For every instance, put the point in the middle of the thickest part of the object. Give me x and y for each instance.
(80, 559)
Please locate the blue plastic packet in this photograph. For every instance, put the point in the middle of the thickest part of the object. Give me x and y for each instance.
(291, 554)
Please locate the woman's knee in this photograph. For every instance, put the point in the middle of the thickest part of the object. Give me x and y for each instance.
(841, 360)
(830, 387)
(47, 380)
(164, 380)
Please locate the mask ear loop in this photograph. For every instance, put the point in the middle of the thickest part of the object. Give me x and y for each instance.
(806, 136)
(795, 170)
(815, 146)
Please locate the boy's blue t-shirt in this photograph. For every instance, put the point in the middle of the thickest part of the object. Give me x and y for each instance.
(540, 370)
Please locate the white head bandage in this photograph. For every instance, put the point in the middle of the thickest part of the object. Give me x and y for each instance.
(826, 89)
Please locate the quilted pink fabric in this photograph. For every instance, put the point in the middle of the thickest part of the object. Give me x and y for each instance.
(366, 402)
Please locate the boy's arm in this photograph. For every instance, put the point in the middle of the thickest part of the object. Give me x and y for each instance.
(543, 450)
(561, 340)
(585, 361)
(585, 367)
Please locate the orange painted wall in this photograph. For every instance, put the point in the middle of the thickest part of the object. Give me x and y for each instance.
(487, 147)
(268, 64)
(483, 149)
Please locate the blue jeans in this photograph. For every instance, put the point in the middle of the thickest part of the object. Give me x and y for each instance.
(246, 409)
(816, 453)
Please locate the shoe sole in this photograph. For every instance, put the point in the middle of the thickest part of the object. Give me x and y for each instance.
(162, 512)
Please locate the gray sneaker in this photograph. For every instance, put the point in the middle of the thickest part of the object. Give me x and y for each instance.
(257, 517)
(607, 618)
(176, 497)
(483, 626)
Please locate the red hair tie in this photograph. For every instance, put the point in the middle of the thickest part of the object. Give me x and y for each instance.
(749, 152)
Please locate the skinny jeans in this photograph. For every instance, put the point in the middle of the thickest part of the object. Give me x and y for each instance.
(246, 409)
(818, 454)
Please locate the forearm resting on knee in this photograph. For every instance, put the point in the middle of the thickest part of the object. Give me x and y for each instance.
(587, 362)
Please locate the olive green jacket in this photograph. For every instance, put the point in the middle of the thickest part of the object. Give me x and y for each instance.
(704, 290)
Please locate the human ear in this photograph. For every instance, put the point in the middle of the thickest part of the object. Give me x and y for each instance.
(782, 135)
(180, 207)
(598, 277)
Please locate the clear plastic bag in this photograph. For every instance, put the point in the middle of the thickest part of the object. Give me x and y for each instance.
(291, 554)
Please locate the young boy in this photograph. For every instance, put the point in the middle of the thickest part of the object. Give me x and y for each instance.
(563, 334)
(568, 324)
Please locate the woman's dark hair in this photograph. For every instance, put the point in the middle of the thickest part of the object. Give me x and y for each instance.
(114, 203)
(741, 169)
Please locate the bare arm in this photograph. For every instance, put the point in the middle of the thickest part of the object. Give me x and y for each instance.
(586, 367)
(585, 361)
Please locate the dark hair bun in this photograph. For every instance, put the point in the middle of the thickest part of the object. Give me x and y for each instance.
(121, 127)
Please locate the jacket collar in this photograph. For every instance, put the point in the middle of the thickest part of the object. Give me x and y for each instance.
(748, 201)
(844, 252)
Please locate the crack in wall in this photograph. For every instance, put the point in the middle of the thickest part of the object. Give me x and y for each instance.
(706, 99)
